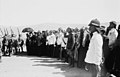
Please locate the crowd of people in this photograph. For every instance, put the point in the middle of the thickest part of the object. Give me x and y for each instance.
(10, 45)
(94, 48)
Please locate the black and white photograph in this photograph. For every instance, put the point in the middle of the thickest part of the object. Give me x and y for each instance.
(59, 38)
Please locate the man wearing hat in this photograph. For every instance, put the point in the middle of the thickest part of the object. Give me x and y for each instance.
(94, 54)
(112, 34)
(112, 37)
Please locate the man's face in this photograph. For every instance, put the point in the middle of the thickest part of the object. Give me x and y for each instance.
(111, 25)
(92, 28)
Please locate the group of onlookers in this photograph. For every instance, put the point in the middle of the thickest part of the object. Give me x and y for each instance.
(94, 48)
(9, 45)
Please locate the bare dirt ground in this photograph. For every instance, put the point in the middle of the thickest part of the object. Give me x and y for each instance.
(32, 66)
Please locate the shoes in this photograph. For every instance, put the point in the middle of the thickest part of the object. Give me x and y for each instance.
(86, 68)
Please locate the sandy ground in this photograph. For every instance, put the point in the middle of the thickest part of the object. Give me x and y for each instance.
(31, 66)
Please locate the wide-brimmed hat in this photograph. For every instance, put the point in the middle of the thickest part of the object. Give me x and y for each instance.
(95, 23)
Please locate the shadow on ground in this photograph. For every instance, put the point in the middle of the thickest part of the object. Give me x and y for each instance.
(65, 69)
(24, 54)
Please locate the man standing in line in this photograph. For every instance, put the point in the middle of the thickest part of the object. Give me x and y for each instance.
(69, 46)
(94, 53)
(0, 49)
(51, 39)
(20, 42)
(59, 41)
(113, 49)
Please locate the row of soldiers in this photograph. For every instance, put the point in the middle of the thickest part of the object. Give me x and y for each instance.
(9, 44)
(95, 49)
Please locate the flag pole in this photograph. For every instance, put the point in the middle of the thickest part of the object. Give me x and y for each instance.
(18, 31)
(1, 31)
(4, 31)
(7, 31)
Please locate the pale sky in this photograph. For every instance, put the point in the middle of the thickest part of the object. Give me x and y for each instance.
(32, 12)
